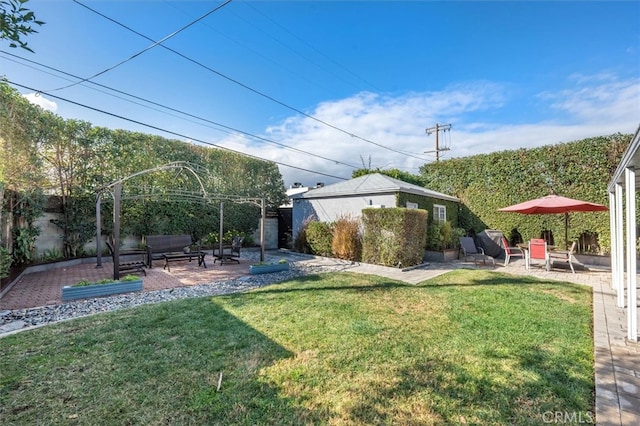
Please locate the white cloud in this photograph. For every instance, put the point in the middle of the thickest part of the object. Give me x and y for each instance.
(617, 101)
(41, 101)
(589, 106)
(580, 78)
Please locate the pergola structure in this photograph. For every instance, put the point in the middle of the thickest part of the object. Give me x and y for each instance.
(623, 222)
(115, 190)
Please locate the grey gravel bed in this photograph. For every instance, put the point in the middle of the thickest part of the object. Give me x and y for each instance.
(11, 320)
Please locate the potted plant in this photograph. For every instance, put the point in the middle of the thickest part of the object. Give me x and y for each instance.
(266, 268)
(85, 289)
(443, 244)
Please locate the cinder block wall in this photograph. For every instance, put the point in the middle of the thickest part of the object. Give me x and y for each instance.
(270, 234)
(50, 237)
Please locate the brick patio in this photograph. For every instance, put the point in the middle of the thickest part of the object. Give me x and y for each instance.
(45, 287)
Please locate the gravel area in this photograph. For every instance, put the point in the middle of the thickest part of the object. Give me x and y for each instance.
(11, 320)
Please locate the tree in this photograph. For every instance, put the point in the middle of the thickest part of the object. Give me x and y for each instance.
(20, 166)
(16, 22)
(67, 151)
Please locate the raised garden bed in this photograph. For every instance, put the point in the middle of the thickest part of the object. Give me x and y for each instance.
(268, 268)
(102, 289)
(447, 255)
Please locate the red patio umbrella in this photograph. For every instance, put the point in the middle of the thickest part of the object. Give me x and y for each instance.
(555, 204)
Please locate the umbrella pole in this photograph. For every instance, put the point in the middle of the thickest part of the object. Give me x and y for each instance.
(566, 233)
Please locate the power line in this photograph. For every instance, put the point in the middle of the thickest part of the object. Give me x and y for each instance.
(175, 133)
(156, 43)
(229, 129)
(264, 95)
(256, 52)
(92, 88)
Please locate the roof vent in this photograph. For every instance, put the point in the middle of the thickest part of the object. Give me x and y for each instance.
(319, 184)
(297, 185)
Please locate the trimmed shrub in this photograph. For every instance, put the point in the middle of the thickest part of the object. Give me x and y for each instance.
(319, 238)
(394, 237)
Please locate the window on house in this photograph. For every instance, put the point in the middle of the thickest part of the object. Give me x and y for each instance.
(439, 213)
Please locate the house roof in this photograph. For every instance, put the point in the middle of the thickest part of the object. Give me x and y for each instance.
(370, 184)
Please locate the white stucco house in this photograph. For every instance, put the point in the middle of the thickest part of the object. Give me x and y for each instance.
(330, 202)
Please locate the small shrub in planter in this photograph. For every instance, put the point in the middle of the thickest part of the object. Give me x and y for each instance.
(442, 236)
(443, 242)
(85, 289)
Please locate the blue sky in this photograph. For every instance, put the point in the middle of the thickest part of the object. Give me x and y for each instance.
(368, 76)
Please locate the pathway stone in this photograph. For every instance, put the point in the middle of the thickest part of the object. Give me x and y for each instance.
(12, 326)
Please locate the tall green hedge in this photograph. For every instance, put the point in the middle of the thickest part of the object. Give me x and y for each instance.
(394, 236)
(71, 159)
(484, 183)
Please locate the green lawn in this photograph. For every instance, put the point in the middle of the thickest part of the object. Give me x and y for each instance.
(474, 347)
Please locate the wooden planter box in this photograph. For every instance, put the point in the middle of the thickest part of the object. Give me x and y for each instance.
(97, 290)
(267, 269)
(448, 255)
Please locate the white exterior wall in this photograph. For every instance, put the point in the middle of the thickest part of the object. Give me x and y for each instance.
(330, 209)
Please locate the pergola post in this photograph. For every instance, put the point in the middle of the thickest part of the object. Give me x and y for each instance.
(619, 245)
(221, 230)
(263, 213)
(632, 297)
(117, 196)
(98, 233)
(614, 241)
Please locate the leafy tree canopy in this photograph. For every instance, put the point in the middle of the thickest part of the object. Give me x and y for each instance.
(17, 22)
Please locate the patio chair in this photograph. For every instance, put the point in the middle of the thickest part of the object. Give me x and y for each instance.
(538, 251)
(470, 250)
(510, 252)
(236, 245)
(132, 265)
(564, 256)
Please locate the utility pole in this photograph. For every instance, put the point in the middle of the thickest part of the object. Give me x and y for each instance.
(436, 129)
